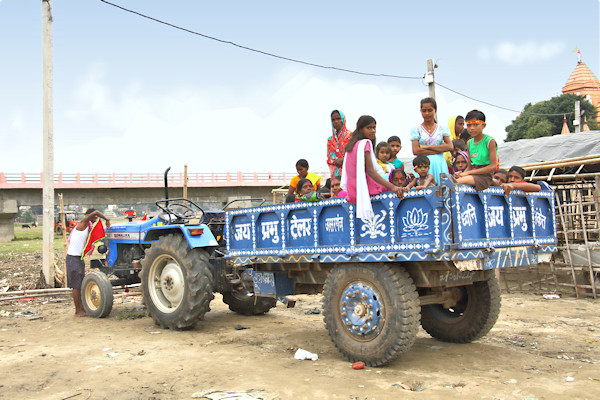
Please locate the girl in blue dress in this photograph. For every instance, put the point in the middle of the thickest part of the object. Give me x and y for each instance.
(431, 140)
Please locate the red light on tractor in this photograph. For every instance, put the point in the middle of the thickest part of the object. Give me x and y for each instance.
(196, 231)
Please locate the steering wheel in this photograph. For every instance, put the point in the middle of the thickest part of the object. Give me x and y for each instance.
(181, 211)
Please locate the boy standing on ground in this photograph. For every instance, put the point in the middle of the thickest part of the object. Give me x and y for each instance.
(75, 263)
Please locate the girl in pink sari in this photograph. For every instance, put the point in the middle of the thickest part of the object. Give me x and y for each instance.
(360, 176)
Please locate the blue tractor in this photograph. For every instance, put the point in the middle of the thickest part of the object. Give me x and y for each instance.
(177, 256)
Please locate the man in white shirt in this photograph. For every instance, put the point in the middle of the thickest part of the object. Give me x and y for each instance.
(75, 263)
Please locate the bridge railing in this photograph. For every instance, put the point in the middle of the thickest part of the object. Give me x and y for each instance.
(147, 179)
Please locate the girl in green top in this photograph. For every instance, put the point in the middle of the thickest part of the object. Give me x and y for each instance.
(482, 152)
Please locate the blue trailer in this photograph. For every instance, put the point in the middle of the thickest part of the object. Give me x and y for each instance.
(428, 259)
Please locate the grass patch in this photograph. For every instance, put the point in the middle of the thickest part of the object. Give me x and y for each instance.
(27, 241)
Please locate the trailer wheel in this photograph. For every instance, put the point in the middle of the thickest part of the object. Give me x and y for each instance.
(177, 282)
(471, 318)
(248, 305)
(371, 311)
(97, 294)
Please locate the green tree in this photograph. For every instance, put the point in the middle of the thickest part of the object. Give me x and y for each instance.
(528, 125)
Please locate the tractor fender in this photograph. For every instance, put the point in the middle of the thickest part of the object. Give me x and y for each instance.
(206, 239)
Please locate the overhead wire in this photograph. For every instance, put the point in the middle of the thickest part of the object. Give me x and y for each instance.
(503, 108)
(318, 65)
(257, 50)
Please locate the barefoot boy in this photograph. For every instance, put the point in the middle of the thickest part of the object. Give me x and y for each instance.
(75, 263)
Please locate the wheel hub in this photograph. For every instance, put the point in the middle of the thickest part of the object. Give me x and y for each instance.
(93, 295)
(171, 283)
(361, 310)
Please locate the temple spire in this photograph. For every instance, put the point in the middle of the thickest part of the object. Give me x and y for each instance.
(565, 127)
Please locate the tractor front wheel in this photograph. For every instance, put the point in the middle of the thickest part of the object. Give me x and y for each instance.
(97, 294)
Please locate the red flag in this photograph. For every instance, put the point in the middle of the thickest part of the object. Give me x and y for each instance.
(145, 217)
(96, 234)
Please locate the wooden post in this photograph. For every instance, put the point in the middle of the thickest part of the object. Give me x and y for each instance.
(48, 147)
(64, 233)
(185, 181)
(566, 233)
(587, 244)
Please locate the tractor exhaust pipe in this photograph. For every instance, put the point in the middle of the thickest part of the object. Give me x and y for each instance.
(167, 183)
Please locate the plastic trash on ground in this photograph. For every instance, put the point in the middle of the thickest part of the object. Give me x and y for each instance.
(302, 354)
(551, 296)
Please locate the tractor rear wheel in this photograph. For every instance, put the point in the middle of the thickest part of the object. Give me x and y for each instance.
(177, 282)
(470, 318)
(97, 294)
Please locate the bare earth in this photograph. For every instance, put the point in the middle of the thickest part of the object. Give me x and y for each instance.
(533, 349)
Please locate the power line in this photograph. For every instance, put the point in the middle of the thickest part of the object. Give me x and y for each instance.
(503, 108)
(318, 65)
(259, 51)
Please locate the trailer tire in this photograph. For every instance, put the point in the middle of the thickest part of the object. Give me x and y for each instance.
(248, 305)
(96, 294)
(471, 319)
(177, 282)
(371, 311)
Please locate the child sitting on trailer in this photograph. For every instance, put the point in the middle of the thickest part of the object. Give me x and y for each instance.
(516, 180)
(305, 191)
(482, 152)
(398, 177)
(384, 153)
(423, 179)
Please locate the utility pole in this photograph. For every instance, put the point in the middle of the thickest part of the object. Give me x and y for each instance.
(577, 120)
(429, 78)
(48, 171)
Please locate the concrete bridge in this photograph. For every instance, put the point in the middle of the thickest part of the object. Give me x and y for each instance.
(141, 188)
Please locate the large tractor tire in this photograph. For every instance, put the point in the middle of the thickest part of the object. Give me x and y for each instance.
(58, 229)
(97, 294)
(471, 318)
(371, 311)
(177, 282)
(248, 305)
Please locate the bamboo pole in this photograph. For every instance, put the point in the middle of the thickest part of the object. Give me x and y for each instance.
(562, 221)
(545, 163)
(185, 181)
(564, 177)
(64, 234)
(587, 246)
(563, 164)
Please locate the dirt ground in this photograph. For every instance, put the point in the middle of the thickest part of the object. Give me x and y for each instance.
(539, 349)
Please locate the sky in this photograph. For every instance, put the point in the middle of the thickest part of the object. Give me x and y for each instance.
(133, 95)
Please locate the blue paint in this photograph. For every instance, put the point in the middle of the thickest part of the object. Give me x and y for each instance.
(437, 224)
(361, 310)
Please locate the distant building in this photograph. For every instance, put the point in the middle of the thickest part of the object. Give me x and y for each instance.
(583, 82)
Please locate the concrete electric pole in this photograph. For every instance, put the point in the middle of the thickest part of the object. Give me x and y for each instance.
(48, 167)
(577, 120)
(429, 78)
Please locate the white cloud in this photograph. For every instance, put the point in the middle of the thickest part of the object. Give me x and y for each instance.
(516, 54)
(136, 128)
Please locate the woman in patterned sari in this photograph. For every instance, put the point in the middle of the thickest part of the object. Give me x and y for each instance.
(335, 143)
(431, 140)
